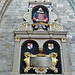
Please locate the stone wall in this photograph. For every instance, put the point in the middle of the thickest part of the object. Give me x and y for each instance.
(13, 16)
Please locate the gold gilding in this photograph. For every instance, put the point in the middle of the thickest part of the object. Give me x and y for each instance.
(53, 55)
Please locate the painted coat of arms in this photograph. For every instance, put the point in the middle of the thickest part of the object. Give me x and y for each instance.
(29, 45)
(50, 46)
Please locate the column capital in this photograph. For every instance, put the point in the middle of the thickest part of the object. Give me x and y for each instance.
(17, 39)
(63, 40)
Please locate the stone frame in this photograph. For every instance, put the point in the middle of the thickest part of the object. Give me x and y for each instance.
(58, 36)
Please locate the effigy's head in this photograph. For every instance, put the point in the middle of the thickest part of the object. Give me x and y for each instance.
(40, 9)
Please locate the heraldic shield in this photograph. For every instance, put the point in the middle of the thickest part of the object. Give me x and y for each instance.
(50, 46)
(29, 45)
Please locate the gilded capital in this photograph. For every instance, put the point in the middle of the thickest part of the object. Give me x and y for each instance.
(17, 39)
(63, 40)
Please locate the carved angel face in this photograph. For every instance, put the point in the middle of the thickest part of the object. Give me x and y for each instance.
(27, 54)
(54, 54)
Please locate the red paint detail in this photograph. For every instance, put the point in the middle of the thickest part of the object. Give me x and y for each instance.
(40, 16)
(34, 19)
(49, 45)
(28, 45)
(43, 16)
(47, 20)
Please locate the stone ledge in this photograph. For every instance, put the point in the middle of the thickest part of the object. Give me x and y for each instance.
(41, 32)
(40, 2)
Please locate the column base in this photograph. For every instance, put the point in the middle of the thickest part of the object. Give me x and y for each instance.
(68, 73)
(14, 73)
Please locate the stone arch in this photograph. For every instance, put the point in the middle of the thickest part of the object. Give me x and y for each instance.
(35, 48)
(45, 9)
(4, 5)
(24, 49)
(52, 42)
(56, 49)
(30, 41)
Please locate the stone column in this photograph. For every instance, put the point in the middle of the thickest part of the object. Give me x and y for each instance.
(16, 55)
(65, 57)
(49, 9)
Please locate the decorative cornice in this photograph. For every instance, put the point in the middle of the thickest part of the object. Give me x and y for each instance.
(41, 32)
(40, 2)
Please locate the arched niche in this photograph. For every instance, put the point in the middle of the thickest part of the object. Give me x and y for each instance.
(45, 9)
(56, 49)
(24, 49)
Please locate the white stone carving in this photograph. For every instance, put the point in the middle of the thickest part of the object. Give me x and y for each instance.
(26, 16)
(53, 17)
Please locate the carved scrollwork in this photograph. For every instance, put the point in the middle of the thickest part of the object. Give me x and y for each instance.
(26, 16)
(40, 25)
(54, 61)
(53, 57)
(56, 27)
(23, 26)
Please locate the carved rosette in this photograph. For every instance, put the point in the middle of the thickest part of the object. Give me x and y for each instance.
(24, 26)
(56, 27)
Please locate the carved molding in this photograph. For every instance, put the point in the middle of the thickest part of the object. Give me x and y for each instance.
(39, 0)
(56, 27)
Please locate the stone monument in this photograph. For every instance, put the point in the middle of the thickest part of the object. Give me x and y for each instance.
(40, 42)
